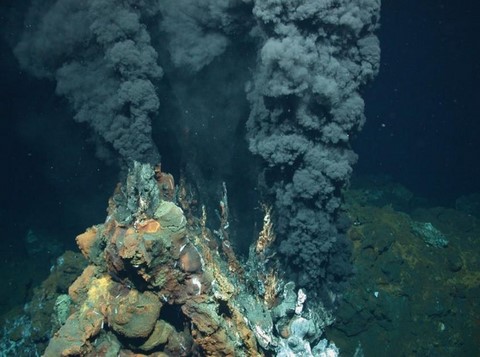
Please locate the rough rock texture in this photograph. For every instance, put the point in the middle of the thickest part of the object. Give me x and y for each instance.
(406, 289)
(154, 285)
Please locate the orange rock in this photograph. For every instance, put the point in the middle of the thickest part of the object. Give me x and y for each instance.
(79, 288)
(165, 182)
(190, 260)
(129, 246)
(134, 314)
(86, 240)
(149, 226)
(244, 331)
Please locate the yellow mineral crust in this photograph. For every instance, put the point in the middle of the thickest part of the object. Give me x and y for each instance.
(79, 288)
(73, 337)
(98, 294)
(157, 287)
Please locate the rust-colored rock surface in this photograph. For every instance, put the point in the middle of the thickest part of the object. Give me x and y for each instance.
(155, 287)
(86, 240)
(133, 314)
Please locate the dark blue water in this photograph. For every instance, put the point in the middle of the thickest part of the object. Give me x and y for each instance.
(422, 109)
(421, 132)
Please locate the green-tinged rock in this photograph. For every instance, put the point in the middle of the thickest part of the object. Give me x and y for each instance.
(159, 336)
(70, 340)
(431, 235)
(62, 308)
(139, 197)
(170, 216)
(134, 315)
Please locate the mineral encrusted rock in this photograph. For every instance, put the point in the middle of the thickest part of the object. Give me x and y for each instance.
(155, 287)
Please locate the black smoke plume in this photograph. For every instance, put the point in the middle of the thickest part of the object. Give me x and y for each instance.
(302, 63)
(99, 53)
(315, 56)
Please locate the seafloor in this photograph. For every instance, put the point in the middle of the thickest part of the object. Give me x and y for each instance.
(415, 291)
